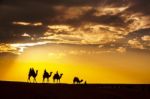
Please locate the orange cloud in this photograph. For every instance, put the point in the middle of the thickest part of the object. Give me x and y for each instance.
(28, 23)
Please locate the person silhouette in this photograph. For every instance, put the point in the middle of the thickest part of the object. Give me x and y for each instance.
(45, 71)
(57, 77)
(46, 75)
(31, 71)
(57, 72)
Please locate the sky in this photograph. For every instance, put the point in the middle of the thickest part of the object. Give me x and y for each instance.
(99, 41)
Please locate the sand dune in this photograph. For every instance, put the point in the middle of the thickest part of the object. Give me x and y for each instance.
(20, 90)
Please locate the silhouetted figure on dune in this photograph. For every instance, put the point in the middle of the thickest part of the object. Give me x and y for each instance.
(46, 75)
(33, 74)
(57, 77)
(76, 80)
(85, 82)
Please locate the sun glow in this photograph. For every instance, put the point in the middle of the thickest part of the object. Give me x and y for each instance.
(28, 23)
(82, 63)
(22, 46)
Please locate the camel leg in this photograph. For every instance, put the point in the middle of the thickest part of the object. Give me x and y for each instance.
(74, 82)
(28, 79)
(43, 79)
(47, 79)
(35, 80)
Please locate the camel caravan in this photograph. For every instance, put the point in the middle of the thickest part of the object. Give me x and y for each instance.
(56, 77)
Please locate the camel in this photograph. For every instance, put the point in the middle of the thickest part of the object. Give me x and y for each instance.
(47, 75)
(57, 77)
(33, 74)
(76, 80)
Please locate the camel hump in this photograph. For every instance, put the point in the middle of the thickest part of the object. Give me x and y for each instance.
(45, 73)
(55, 75)
(75, 79)
(31, 71)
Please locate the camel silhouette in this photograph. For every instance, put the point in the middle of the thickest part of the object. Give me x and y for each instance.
(33, 74)
(57, 77)
(47, 75)
(85, 82)
(76, 80)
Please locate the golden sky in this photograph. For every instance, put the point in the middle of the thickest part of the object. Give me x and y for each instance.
(91, 63)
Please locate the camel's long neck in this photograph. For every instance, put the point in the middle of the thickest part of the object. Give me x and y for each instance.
(60, 76)
(50, 74)
(36, 73)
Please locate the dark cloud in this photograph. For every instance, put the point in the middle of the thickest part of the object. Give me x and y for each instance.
(43, 11)
(112, 20)
(66, 2)
(140, 6)
(135, 38)
(139, 33)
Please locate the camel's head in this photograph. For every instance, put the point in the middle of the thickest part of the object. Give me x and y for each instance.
(61, 75)
(81, 80)
(36, 71)
(51, 72)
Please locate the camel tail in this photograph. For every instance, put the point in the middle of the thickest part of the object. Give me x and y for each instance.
(28, 79)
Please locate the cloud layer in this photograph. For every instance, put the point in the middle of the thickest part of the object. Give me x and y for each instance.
(119, 23)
